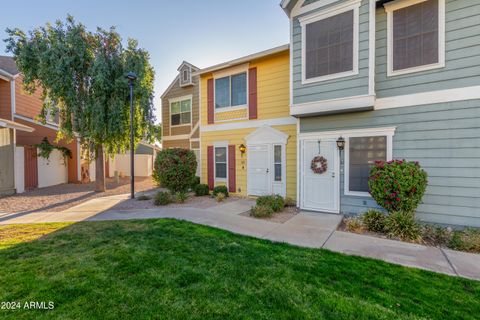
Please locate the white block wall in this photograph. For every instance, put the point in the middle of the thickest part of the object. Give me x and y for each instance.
(143, 165)
(52, 171)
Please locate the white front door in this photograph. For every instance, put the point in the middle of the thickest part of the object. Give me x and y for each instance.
(319, 191)
(259, 172)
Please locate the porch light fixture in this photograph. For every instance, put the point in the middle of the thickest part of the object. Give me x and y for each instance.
(341, 143)
(242, 148)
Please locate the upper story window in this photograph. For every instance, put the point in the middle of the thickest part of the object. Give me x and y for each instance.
(181, 112)
(231, 91)
(330, 44)
(416, 31)
(185, 76)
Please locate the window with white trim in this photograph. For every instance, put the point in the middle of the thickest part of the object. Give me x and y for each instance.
(329, 45)
(362, 153)
(231, 91)
(277, 162)
(220, 162)
(416, 35)
(181, 112)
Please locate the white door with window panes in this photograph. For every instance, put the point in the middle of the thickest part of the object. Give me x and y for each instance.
(266, 169)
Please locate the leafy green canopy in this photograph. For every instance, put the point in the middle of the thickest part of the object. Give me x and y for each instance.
(81, 75)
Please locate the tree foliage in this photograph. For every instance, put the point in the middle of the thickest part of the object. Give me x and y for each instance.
(81, 75)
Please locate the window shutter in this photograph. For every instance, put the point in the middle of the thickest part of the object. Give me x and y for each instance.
(231, 169)
(210, 107)
(252, 93)
(210, 164)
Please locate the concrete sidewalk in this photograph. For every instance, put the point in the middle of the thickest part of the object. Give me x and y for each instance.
(315, 230)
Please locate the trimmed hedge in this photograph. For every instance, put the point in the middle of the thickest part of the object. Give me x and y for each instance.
(175, 169)
(275, 202)
(397, 185)
(202, 190)
(220, 189)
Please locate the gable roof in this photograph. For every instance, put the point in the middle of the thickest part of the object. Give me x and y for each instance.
(8, 65)
(244, 59)
(185, 63)
(177, 77)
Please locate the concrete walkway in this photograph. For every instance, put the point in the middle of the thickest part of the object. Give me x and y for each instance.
(306, 229)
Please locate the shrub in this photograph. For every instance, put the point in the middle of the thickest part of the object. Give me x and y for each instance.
(435, 235)
(261, 211)
(397, 185)
(402, 225)
(276, 202)
(374, 220)
(175, 169)
(181, 196)
(162, 198)
(195, 182)
(466, 240)
(143, 197)
(354, 224)
(220, 189)
(220, 197)
(289, 202)
(202, 190)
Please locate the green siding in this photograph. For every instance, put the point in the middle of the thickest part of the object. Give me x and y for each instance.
(444, 138)
(335, 88)
(462, 54)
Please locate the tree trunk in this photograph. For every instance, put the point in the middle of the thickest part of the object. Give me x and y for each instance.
(100, 170)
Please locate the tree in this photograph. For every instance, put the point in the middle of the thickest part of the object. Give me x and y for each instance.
(81, 75)
(158, 132)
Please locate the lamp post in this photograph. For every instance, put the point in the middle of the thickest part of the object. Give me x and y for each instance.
(131, 76)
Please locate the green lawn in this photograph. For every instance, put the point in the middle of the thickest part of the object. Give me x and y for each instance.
(171, 269)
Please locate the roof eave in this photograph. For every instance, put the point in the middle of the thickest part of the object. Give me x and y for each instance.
(244, 59)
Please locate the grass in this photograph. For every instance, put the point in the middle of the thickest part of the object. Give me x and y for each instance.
(177, 270)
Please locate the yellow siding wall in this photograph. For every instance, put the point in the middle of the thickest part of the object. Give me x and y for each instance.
(240, 114)
(273, 88)
(237, 137)
(273, 81)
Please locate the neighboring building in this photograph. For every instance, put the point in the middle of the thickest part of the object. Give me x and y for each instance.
(21, 107)
(396, 79)
(8, 157)
(144, 161)
(180, 112)
(245, 103)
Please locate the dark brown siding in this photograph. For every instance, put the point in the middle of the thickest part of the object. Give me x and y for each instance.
(252, 93)
(232, 181)
(35, 137)
(210, 164)
(28, 105)
(210, 106)
(31, 167)
(174, 92)
(5, 102)
(184, 143)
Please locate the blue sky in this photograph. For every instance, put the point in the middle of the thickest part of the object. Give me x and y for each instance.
(202, 32)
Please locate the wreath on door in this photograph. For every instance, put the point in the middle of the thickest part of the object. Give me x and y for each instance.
(319, 165)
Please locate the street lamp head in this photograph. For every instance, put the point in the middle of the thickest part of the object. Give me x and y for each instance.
(131, 76)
